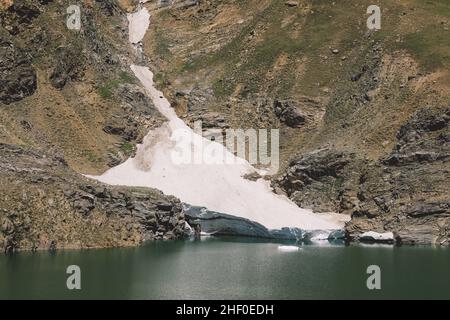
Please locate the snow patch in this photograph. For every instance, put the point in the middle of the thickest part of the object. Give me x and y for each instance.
(138, 23)
(375, 236)
(220, 186)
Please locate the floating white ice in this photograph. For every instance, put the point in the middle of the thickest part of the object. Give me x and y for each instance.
(288, 248)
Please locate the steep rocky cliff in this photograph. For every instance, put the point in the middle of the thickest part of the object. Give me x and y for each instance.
(363, 114)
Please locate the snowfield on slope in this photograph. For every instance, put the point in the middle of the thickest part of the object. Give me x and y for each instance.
(219, 186)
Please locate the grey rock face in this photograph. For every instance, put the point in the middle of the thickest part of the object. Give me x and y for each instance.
(108, 7)
(423, 139)
(422, 233)
(407, 192)
(19, 16)
(17, 76)
(323, 180)
(289, 113)
(70, 66)
(223, 224)
(418, 210)
(184, 4)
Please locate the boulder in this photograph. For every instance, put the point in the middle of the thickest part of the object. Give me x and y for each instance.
(291, 3)
(288, 113)
(423, 232)
(371, 236)
(337, 235)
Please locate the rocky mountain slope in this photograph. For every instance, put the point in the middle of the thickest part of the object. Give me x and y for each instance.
(69, 105)
(363, 114)
(71, 91)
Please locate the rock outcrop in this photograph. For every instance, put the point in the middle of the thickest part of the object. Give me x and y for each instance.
(324, 180)
(45, 205)
(289, 113)
(405, 193)
(408, 192)
(70, 66)
(17, 75)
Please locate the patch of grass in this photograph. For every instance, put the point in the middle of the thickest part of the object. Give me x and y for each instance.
(105, 91)
(126, 77)
(160, 79)
(251, 73)
(127, 148)
(435, 7)
(162, 44)
(319, 30)
(222, 88)
(91, 156)
(431, 47)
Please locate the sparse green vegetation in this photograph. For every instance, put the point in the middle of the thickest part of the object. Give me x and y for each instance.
(430, 47)
(106, 90)
(436, 7)
(162, 44)
(248, 65)
(127, 77)
(127, 147)
(91, 156)
(160, 79)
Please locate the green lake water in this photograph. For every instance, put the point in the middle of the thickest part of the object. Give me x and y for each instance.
(229, 268)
